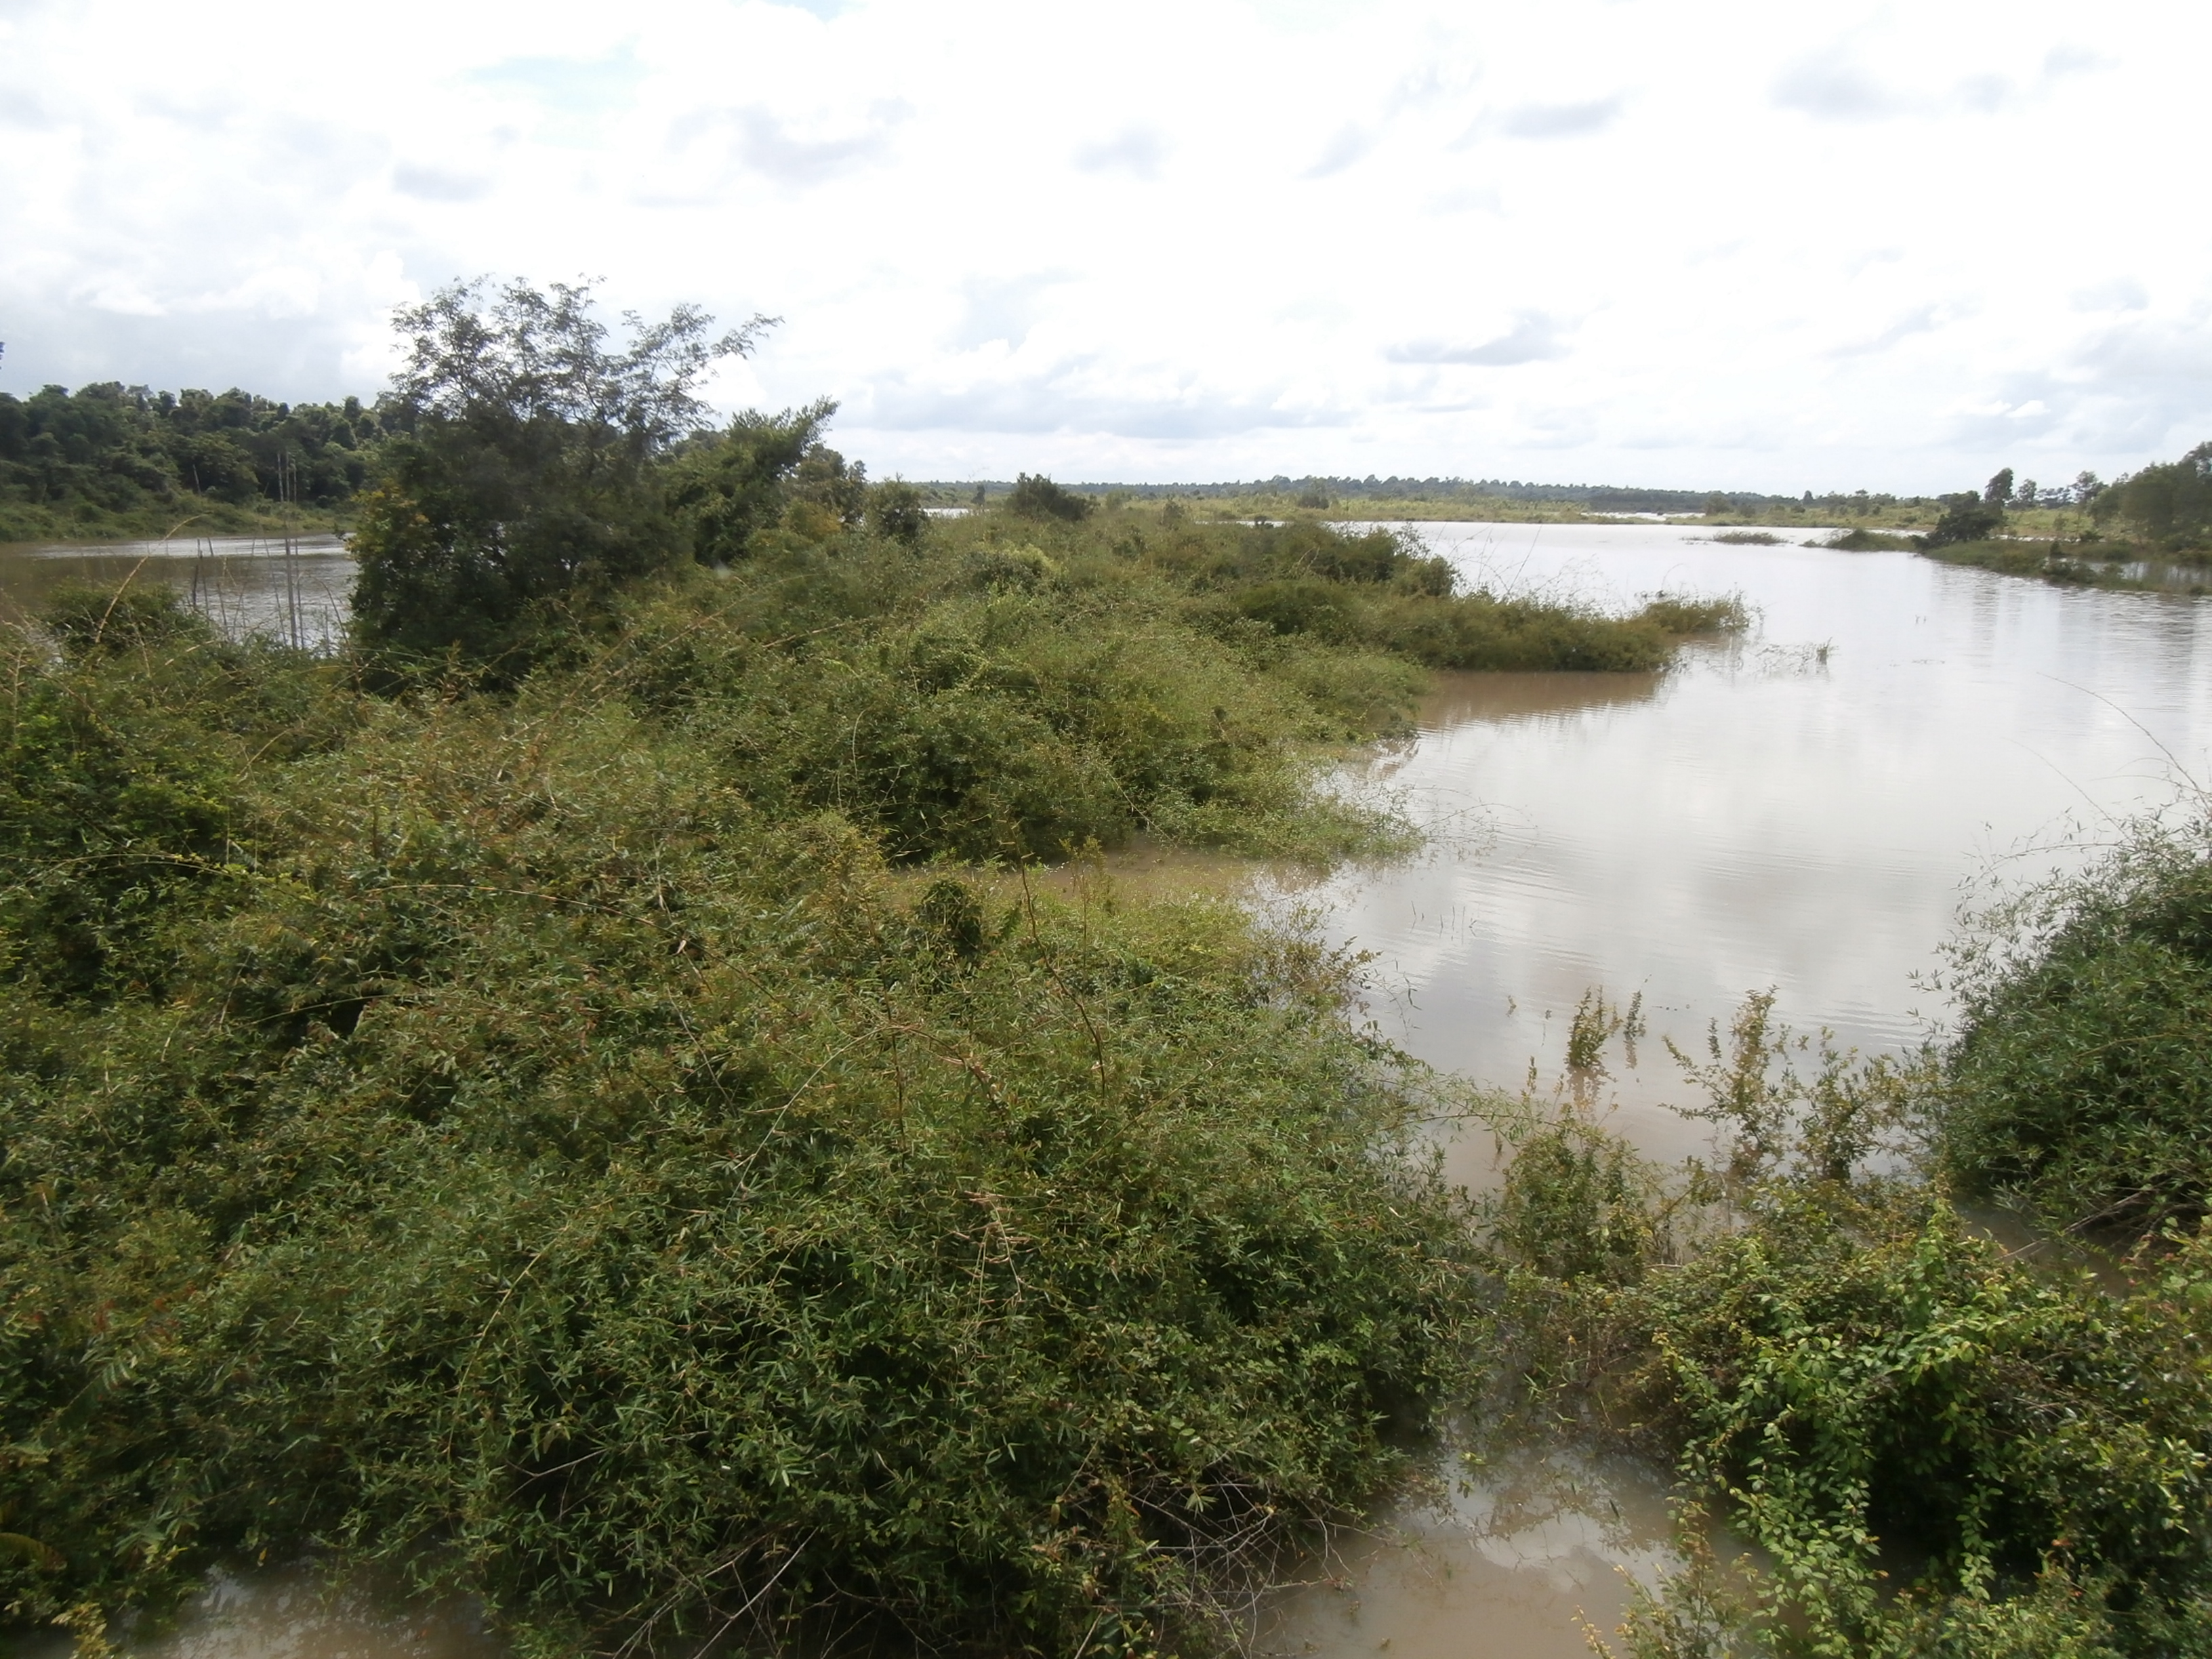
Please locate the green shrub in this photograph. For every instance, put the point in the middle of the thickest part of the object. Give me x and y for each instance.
(557, 1178)
(1966, 518)
(547, 1142)
(121, 774)
(1863, 540)
(1036, 496)
(1688, 613)
(530, 479)
(2081, 1081)
(1939, 1446)
(2170, 502)
(895, 512)
(1860, 1387)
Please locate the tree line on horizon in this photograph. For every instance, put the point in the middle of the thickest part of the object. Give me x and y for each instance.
(2168, 505)
(108, 450)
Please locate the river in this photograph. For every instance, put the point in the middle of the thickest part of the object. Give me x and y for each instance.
(1802, 809)
(294, 591)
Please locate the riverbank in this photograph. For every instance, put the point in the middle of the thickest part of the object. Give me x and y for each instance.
(2101, 563)
(674, 1140)
(1775, 787)
(83, 521)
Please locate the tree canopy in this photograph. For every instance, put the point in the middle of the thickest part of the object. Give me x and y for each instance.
(108, 448)
(2171, 501)
(526, 468)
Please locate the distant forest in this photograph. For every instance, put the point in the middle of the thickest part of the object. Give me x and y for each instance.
(1322, 492)
(109, 458)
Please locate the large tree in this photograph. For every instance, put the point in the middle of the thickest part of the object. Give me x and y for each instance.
(524, 476)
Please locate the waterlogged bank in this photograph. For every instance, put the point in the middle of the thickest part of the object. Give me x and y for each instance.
(1801, 810)
(2082, 564)
(298, 1612)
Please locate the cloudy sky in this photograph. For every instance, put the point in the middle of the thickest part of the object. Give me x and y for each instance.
(1699, 243)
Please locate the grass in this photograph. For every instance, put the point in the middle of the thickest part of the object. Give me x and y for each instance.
(2040, 559)
(1414, 509)
(2078, 564)
(1872, 541)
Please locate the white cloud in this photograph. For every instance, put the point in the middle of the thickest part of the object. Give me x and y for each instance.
(428, 182)
(1532, 338)
(1561, 120)
(1899, 245)
(1140, 150)
(1350, 143)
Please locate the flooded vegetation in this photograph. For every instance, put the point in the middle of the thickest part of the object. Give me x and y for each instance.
(538, 1101)
(620, 1093)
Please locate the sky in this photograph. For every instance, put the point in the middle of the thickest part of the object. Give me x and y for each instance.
(1697, 245)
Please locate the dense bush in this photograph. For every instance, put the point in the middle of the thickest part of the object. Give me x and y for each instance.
(2081, 1083)
(108, 457)
(522, 1158)
(120, 780)
(1866, 1390)
(1966, 518)
(579, 1099)
(895, 512)
(1036, 496)
(530, 478)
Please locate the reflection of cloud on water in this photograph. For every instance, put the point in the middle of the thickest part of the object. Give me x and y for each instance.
(1505, 1564)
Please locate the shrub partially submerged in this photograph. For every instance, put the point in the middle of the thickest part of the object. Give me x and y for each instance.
(1941, 1448)
(545, 1141)
(1001, 688)
(2081, 1084)
(1884, 1403)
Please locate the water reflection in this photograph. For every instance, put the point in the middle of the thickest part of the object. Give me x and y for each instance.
(1798, 810)
(295, 1613)
(296, 592)
(1458, 699)
(1511, 1565)
(1801, 810)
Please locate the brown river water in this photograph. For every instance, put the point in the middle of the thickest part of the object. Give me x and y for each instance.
(1803, 809)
